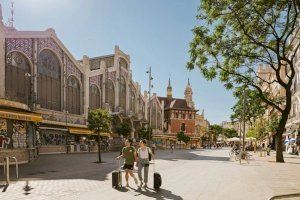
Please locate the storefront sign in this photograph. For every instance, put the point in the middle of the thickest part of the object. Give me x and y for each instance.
(20, 116)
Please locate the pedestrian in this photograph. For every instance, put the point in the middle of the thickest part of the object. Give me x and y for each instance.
(153, 147)
(143, 159)
(129, 154)
(269, 149)
(172, 147)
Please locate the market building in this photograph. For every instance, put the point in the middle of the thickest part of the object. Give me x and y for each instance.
(45, 94)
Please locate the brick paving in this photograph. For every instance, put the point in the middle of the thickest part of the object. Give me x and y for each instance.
(187, 174)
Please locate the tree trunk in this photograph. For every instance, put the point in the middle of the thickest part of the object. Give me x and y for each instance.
(279, 132)
(99, 149)
(278, 142)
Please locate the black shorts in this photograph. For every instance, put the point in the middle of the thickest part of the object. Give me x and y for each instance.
(126, 166)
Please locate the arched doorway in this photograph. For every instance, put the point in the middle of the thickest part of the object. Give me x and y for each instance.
(73, 95)
(95, 97)
(18, 78)
(49, 80)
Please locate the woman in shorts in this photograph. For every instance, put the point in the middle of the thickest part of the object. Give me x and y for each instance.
(129, 154)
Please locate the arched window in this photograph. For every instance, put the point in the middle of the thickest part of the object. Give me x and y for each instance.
(132, 101)
(122, 96)
(49, 80)
(18, 78)
(123, 63)
(95, 97)
(73, 95)
(159, 123)
(110, 94)
(141, 106)
(182, 127)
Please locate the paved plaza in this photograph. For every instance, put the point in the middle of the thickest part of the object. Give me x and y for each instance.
(186, 174)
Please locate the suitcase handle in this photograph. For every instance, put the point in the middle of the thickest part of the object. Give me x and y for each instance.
(119, 164)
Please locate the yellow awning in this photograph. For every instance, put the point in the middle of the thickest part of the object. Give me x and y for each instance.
(85, 131)
(22, 116)
(81, 131)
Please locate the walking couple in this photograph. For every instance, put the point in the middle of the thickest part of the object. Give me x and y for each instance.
(141, 157)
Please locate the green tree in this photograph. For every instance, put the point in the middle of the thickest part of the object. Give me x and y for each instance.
(124, 129)
(254, 107)
(99, 121)
(230, 132)
(182, 137)
(216, 129)
(145, 133)
(259, 130)
(235, 36)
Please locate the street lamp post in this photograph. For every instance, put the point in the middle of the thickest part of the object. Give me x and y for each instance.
(244, 116)
(149, 72)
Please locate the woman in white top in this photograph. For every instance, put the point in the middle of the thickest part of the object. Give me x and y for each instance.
(143, 161)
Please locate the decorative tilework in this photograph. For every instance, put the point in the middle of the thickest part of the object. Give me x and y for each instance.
(49, 43)
(23, 45)
(95, 80)
(72, 69)
(112, 75)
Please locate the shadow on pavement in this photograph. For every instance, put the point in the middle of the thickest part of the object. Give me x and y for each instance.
(66, 166)
(159, 194)
(193, 155)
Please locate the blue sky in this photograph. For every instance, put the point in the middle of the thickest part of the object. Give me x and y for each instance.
(155, 33)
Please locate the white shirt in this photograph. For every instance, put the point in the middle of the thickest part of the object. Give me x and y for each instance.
(144, 153)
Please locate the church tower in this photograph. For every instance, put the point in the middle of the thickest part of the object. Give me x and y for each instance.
(188, 95)
(169, 90)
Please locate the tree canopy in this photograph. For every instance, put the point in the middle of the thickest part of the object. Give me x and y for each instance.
(183, 137)
(254, 106)
(99, 120)
(145, 133)
(230, 132)
(235, 36)
(124, 129)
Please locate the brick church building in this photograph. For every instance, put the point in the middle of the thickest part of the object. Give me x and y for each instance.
(179, 114)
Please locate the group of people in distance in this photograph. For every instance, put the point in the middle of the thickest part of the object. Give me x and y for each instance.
(142, 158)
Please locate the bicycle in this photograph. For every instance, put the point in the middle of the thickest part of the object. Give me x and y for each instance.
(243, 155)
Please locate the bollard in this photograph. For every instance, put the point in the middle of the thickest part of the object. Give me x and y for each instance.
(7, 170)
(260, 153)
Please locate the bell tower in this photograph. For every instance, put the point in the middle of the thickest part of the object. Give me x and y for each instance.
(169, 89)
(188, 95)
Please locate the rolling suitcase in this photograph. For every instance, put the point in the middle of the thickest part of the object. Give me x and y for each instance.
(117, 178)
(156, 179)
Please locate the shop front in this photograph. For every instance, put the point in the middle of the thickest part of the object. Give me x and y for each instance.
(85, 140)
(17, 134)
(52, 139)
